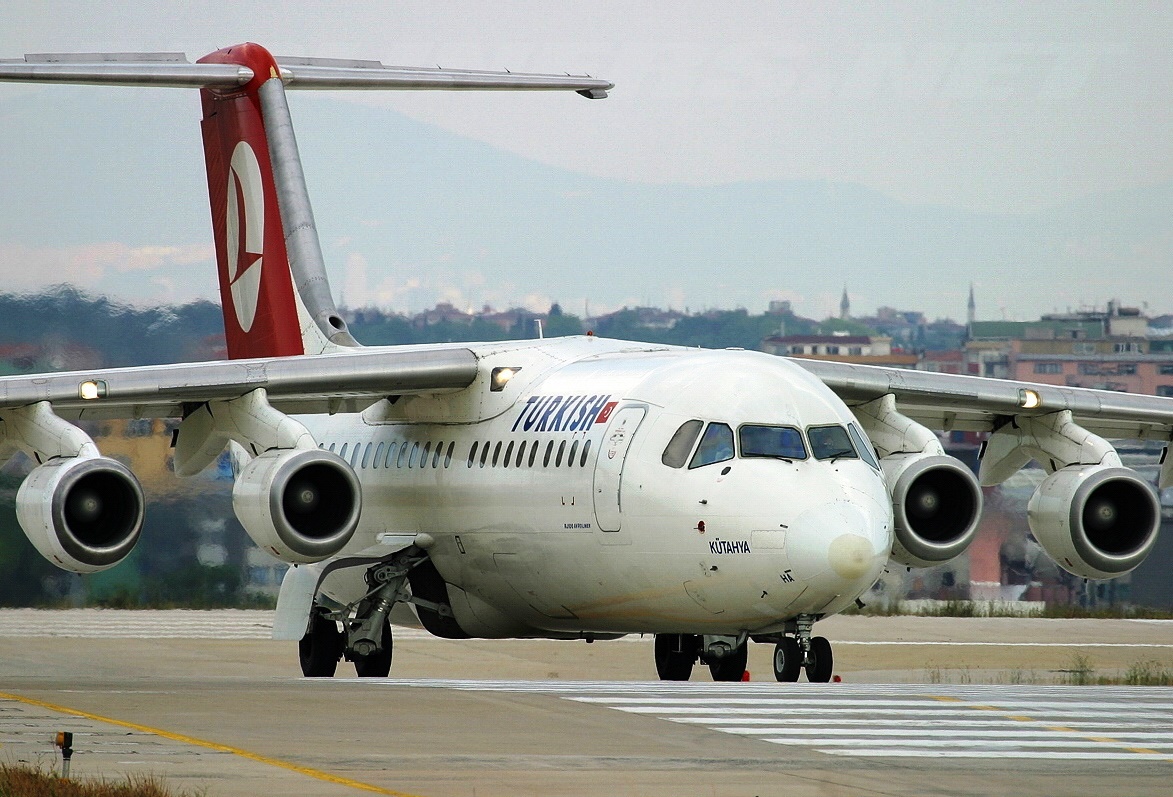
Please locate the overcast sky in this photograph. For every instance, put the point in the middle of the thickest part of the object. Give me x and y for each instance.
(1033, 114)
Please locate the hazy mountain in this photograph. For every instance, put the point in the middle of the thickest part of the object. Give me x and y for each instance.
(410, 215)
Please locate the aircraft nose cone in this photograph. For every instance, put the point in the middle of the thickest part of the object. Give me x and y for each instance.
(850, 555)
(841, 537)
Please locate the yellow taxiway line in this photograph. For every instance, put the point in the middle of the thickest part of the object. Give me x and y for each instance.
(223, 748)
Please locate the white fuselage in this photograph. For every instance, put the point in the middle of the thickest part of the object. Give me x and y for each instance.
(550, 509)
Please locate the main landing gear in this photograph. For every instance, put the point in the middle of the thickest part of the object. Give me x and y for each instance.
(365, 638)
(323, 645)
(677, 654)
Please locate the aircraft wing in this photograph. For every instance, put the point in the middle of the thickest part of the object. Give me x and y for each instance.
(347, 382)
(969, 403)
(173, 70)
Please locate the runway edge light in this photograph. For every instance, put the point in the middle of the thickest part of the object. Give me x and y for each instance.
(64, 740)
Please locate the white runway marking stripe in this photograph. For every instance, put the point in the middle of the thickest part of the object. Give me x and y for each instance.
(1082, 755)
(893, 720)
(1013, 731)
(939, 643)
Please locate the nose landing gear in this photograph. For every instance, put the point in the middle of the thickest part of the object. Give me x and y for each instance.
(802, 651)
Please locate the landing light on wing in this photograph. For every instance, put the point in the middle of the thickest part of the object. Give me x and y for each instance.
(1029, 399)
(91, 390)
(500, 378)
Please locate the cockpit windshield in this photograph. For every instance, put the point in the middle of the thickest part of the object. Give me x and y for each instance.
(831, 442)
(778, 442)
(716, 446)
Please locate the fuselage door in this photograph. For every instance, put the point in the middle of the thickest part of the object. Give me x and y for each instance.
(609, 467)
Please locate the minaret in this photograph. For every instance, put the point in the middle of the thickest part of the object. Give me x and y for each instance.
(971, 308)
(844, 305)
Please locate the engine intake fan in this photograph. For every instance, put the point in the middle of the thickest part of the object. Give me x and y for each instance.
(1096, 521)
(84, 514)
(301, 505)
(936, 506)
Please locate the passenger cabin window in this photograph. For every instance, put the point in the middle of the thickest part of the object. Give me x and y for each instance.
(678, 448)
(716, 446)
(831, 442)
(863, 446)
(772, 442)
(391, 448)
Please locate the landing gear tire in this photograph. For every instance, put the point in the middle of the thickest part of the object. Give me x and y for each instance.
(820, 663)
(675, 655)
(731, 667)
(320, 649)
(376, 665)
(787, 659)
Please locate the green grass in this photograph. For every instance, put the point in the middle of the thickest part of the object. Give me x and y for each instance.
(22, 780)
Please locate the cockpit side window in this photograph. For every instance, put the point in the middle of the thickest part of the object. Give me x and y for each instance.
(680, 446)
(831, 442)
(716, 446)
(777, 442)
(862, 444)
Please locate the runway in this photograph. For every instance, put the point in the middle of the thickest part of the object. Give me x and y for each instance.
(231, 716)
(893, 722)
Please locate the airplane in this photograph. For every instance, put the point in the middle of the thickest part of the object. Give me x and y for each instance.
(561, 488)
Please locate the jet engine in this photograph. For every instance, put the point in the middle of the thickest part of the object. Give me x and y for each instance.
(936, 505)
(1095, 521)
(84, 514)
(301, 505)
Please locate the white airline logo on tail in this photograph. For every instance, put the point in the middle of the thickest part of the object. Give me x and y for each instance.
(246, 197)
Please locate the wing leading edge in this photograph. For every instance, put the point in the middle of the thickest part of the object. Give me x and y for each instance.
(349, 382)
(173, 70)
(951, 402)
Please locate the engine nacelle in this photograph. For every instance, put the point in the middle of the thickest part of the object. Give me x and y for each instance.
(83, 514)
(1095, 521)
(301, 505)
(936, 506)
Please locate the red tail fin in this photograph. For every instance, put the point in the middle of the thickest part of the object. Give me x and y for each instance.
(256, 287)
